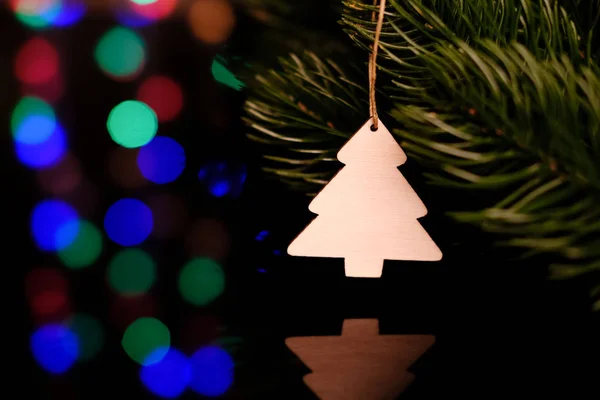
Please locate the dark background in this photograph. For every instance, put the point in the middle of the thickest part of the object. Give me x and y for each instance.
(501, 327)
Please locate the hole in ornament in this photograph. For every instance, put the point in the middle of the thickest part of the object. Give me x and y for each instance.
(373, 129)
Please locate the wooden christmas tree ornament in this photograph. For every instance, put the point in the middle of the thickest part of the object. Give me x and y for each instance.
(369, 211)
(360, 364)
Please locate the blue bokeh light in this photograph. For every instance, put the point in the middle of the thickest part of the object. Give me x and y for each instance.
(71, 12)
(169, 377)
(219, 188)
(262, 235)
(35, 129)
(54, 225)
(223, 178)
(162, 160)
(41, 17)
(128, 222)
(55, 348)
(45, 153)
(212, 371)
(131, 19)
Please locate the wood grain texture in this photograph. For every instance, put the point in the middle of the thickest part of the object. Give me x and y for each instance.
(369, 211)
(360, 364)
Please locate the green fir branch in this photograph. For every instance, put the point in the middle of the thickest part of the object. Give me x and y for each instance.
(413, 28)
(540, 114)
(304, 112)
(495, 98)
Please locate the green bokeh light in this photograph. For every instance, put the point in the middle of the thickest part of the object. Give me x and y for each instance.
(132, 124)
(120, 52)
(27, 107)
(131, 272)
(86, 248)
(224, 76)
(201, 281)
(143, 2)
(90, 333)
(40, 17)
(32, 21)
(144, 337)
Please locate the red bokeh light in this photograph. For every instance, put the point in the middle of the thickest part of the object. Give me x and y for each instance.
(31, 7)
(48, 302)
(46, 291)
(163, 95)
(37, 62)
(158, 10)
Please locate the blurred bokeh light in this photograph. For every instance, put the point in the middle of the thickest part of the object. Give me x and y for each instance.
(211, 21)
(85, 249)
(71, 12)
(201, 281)
(36, 14)
(143, 2)
(90, 335)
(127, 16)
(212, 371)
(146, 340)
(43, 154)
(121, 53)
(33, 121)
(223, 178)
(128, 222)
(155, 10)
(131, 272)
(54, 225)
(69, 323)
(55, 348)
(132, 124)
(51, 91)
(169, 377)
(163, 95)
(37, 62)
(162, 160)
(47, 294)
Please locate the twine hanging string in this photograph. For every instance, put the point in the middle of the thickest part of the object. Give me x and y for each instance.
(373, 64)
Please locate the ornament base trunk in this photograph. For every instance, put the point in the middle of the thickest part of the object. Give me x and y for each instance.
(363, 267)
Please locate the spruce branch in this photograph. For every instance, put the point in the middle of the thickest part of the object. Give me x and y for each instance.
(526, 98)
(498, 98)
(412, 28)
(530, 129)
(304, 112)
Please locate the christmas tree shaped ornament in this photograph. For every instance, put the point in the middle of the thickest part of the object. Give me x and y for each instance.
(360, 364)
(368, 212)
